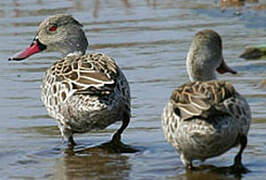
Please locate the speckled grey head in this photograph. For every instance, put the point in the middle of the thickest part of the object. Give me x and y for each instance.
(205, 56)
(62, 33)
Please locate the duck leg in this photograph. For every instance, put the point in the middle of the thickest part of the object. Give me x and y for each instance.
(115, 145)
(117, 136)
(238, 167)
(190, 166)
(71, 141)
(186, 162)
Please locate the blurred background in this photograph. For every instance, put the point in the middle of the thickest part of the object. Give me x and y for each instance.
(149, 40)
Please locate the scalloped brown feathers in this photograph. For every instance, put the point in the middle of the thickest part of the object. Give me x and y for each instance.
(90, 74)
(202, 99)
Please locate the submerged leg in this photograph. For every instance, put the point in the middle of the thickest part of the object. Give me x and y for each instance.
(117, 136)
(190, 166)
(66, 133)
(71, 141)
(238, 167)
(186, 162)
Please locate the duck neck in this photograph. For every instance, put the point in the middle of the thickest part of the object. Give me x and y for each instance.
(76, 43)
(73, 49)
(76, 53)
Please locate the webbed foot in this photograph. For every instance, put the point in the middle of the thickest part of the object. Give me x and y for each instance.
(238, 169)
(116, 146)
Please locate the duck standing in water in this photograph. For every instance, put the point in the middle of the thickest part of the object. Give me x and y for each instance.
(81, 91)
(207, 117)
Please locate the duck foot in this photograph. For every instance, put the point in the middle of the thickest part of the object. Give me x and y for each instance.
(116, 146)
(238, 169)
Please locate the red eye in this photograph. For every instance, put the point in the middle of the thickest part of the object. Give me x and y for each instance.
(52, 28)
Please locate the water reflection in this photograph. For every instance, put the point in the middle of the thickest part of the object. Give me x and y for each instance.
(209, 172)
(255, 4)
(263, 84)
(232, 3)
(151, 3)
(92, 165)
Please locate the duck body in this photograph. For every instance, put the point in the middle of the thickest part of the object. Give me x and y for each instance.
(206, 117)
(81, 91)
(201, 122)
(85, 92)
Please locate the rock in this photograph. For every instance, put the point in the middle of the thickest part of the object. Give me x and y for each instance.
(254, 53)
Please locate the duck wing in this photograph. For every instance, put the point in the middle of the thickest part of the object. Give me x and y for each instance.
(92, 74)
(205, 100)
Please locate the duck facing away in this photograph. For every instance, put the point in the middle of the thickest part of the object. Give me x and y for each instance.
(81, 91)
(207, 117)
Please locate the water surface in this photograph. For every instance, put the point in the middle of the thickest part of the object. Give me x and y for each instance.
(149, 40)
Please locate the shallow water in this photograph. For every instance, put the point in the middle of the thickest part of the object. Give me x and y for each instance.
(149, 40)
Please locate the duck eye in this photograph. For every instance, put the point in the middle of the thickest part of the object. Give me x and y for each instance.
(52, 28)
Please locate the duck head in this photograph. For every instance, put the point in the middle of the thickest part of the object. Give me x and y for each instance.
(60, 33)
(205, 57)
